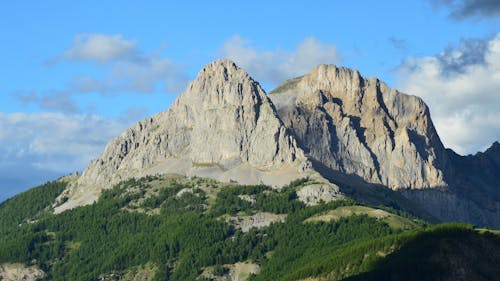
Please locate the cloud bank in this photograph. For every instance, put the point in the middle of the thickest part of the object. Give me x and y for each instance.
(37, 147)
(100, 48)
(461, 85)
(276, 66)
(126, 70)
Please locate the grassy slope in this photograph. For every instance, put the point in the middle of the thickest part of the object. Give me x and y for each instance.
(392, 220)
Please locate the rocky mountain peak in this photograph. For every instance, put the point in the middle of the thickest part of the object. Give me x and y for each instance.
(329, 76)
(222, 84)
(224, 127)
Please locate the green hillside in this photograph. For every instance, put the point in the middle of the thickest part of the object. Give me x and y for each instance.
(176, 228)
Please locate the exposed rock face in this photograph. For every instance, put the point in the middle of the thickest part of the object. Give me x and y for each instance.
(224, 126)
(473, 194)
(362, 127)
(454, 205)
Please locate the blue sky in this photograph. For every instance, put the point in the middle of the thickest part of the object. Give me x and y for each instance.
(75, 74)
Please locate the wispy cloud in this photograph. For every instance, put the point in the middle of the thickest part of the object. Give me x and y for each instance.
(128, 69)
(278, 65)
(461, 86)
(462, 9)
(398, 43)
(57, 101)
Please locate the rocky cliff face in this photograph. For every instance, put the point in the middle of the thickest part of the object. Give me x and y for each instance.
(362, 127)
(224, 126)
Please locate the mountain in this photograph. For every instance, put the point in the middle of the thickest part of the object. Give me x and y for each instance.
(224, 127)
(356, 136)
(331, 176)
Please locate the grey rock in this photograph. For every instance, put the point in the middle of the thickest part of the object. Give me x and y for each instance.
(316, 193)
(258, 220)
(20, 272)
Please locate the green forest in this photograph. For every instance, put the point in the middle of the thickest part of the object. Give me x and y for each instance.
(178, 227)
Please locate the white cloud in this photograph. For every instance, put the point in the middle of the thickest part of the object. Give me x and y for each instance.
(56, 141)
(276, 66)
(127, 69)
(462, 88)
(36, 147)
(147, 75)
(100, 48)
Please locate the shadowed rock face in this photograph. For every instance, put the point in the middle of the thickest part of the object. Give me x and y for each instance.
(362, 127)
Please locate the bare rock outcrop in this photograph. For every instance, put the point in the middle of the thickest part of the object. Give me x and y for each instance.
(316, 193)
(258, 220)
(20, 272)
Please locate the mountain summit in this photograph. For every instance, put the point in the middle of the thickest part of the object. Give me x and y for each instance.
(374, 143)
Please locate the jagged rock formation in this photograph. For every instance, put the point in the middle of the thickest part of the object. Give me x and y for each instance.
(362, 127)
(224, 126)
